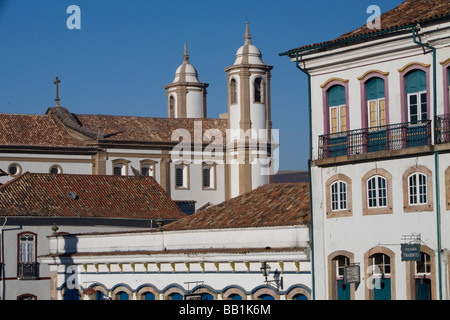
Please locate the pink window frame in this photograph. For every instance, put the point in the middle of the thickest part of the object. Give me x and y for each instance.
(403, 95)
(326, 109)
(445, 70)
(363, 81)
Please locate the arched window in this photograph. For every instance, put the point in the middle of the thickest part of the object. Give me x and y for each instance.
(258, 90)
(233, 91)
(376, 102)
(416, 92)
(338, 196)
(171, 107)
(417, 189)
(377, 192)
(337, 109)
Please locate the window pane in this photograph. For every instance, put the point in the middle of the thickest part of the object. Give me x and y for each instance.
(118, 170)
(334, 120)
(258, 90)
(334, 197)
(372, 113)
(206, 177)
(179, 177)
(423, 103)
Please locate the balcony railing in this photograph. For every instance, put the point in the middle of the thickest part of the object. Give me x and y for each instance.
(382, 138)
(27, 270)
(442, 129)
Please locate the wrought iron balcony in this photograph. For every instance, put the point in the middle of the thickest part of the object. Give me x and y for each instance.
(383, 138)
(442, 129)
(27, 270)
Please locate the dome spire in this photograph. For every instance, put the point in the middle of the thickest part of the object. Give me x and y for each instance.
(248, 37)
(185, 54)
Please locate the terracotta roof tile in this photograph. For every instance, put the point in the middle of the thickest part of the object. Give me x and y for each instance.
(275, 204)
(407, 13)
(146, 129)
(46, 195)
(35, 131)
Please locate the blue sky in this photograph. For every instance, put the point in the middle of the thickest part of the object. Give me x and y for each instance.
(126, 51)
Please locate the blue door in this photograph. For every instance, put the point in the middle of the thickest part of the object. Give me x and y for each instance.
(99, 295)
(423, 289)
(176, 296)
(343, 290)
(123, 296)
(149, 296)
(383, 290)
(207, 296)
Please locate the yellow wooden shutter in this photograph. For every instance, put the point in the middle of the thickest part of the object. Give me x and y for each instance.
(382, 112)
(343, 118)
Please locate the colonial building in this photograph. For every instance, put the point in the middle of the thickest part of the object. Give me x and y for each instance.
(217, 253)
(197, 160)
(35, 205)
(379, 155)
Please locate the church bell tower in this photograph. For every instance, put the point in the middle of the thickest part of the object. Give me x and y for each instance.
(249, 119)
(186, 95)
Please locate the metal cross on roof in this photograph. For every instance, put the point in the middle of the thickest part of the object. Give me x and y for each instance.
(57, 81)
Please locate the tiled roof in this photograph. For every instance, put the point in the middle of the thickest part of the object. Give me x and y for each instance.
(20, 130)
(46, 195)
(54, 129)
(407, 13)
(112, 128)
(146, 129)
(275, 204)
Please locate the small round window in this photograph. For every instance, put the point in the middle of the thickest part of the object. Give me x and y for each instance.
(14, 169)
(55, 169)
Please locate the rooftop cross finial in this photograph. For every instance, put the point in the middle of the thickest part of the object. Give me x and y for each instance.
(248, 37)
(185, 54)
(57, 81)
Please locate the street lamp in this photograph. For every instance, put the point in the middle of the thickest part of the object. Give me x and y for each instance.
(265, 270)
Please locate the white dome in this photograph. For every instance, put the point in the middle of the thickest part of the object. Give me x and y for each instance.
(252, 52)
(186, 73)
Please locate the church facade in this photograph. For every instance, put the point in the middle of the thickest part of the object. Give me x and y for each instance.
(194, 158)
